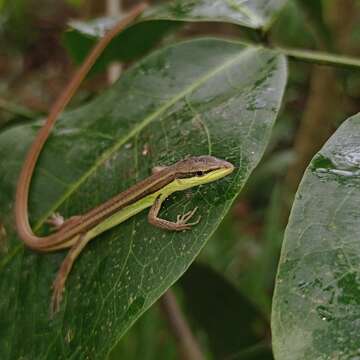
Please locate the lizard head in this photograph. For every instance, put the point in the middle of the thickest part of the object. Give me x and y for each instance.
(203, 169)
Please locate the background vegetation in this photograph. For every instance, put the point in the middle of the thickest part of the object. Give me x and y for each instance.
(226, 294)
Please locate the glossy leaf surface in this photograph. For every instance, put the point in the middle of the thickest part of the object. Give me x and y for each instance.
(255, 14)
(160, 20)
(316, 302)
(199, 97)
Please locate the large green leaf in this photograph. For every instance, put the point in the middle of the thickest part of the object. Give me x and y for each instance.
(254, 14)
(204, 96)
(134, 42)
(247, 265)
(157, 21)
(235, 325)
(316, 303)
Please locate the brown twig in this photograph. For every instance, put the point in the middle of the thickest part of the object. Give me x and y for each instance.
(187, 344)
(79, 76)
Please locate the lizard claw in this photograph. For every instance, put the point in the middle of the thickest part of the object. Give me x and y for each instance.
(58, 289)
(182, 220)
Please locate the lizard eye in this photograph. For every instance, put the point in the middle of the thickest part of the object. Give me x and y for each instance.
(199, 173)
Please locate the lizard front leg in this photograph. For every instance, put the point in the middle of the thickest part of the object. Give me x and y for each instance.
(181, 222)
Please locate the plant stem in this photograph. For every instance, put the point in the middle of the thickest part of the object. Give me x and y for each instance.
(187, 344)
(321, 58)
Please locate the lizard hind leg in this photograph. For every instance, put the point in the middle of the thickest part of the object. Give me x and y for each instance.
(65, 268)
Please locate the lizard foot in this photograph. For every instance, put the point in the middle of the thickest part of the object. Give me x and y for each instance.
(182, 220)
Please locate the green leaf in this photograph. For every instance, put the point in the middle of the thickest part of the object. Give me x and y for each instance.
(314, 11)
(132, 43)
(138, 39)
(316, 302)
(231, 322)
(249, 261)
(254, 14)
(207, 96)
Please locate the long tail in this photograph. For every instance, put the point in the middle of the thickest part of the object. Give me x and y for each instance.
(22, 191)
